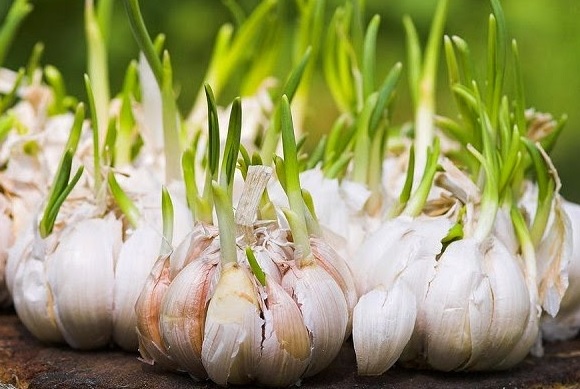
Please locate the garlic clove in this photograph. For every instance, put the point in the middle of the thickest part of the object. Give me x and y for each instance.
(80, 273)
(334, 265)
(136, 258)
(183, 312)
(147, 309)
(383, 322)
(458, 298)
(233, 328)
(324, 308)
(33, 298)
(511, 307)
(286, 345)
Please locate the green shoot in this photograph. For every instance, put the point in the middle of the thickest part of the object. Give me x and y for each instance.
(16, 14)
(126, 205)
(255, 266)
(168, 219)
(296, 213)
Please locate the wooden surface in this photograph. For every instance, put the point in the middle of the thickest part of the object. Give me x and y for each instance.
(26, 363)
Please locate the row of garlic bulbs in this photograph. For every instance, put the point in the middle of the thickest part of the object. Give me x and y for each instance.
(427, 298)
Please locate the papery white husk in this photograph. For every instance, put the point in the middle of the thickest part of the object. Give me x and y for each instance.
(324, 308)
(233, 328)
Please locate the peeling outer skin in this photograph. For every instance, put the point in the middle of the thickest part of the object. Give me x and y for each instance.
(553, 257)
(383, 322)
(324, 309)
(183, 309)
(147, 309)
(192, 246)
(566, 324)
(233, 328)
(286, 348)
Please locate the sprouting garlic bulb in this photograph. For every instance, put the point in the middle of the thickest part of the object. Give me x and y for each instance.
(217, 321)
(88, 272)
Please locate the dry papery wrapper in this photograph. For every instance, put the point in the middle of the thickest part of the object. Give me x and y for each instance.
(233, 328)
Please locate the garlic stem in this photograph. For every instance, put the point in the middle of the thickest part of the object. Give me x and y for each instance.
(172, 149)
(272, 134)
(369, 57)
(126, 122)
(232, 146)
(226, 224)
(191, 191)
(142, 37)
(97, 68)
(96, 142)
(256, 269)
(417, 200)
(423, 82)
(295, 214)
(168, 220)
(229, 53)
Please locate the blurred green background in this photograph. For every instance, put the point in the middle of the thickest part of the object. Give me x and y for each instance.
(548, 34)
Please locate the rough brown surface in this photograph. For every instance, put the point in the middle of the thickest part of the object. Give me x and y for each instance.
(26, 363)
